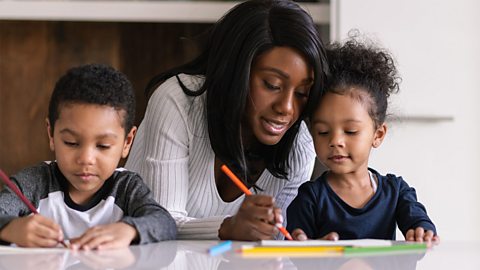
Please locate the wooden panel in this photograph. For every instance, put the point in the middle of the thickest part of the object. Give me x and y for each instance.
(33, 55)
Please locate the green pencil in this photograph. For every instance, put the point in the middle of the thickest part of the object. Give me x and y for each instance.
(393, 248)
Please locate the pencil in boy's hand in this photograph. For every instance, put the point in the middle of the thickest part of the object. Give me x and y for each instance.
(22, 197)
(245, 190)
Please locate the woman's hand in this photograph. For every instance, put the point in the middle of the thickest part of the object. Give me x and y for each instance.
(419, 234)
(255, 220)
(299, 234)
(115, 235)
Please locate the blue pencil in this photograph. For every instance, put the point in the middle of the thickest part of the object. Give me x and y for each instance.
(220, 248)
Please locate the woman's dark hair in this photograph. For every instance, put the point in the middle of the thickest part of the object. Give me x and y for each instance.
(95, 84)
(246, 31)
(368, 68)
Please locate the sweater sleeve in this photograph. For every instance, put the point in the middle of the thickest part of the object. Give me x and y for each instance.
(153, 222)
(410, 213)
(11, 207)
(160, 154)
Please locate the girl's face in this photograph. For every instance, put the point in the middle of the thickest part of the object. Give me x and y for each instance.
(280, 82)
(344, 133)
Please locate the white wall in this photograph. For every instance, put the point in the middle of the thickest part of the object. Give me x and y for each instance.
(437, 47)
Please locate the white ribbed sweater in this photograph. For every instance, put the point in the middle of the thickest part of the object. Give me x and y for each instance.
(172, 153)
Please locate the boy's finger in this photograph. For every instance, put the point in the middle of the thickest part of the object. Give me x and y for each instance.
(44, 221)
(47, 232)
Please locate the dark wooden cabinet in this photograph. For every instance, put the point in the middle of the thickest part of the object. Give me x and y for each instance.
(34, 54)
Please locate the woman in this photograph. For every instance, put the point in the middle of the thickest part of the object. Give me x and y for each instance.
(241, 102)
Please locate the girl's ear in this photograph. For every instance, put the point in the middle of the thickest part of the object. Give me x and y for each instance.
(379, 135)
(128, 142)
(50, 135)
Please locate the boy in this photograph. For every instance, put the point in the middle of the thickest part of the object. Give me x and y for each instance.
(82, 196)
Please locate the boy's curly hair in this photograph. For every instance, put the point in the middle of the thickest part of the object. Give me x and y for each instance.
(364, 67)
(95, 84)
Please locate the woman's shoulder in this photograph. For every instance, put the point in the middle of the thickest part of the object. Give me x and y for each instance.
(169, 97)
(172, 89)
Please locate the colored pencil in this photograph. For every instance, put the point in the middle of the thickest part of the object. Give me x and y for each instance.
(20, 195)
(290, 250)
(247, 192)
(404, 246)
(220, 248)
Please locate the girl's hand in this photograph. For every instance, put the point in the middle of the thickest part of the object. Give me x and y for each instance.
(255, 220)
(299, 234)
(108, 236)
(32, 231)
(420, 235)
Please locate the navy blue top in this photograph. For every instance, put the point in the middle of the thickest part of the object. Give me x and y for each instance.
(318, 210)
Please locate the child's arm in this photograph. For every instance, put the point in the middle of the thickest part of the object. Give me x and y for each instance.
(144, 221)
(302, 213)
(421, 235)
(152, 222)
(18, 226)
(108, 236)
(31, 231)
(412, 217)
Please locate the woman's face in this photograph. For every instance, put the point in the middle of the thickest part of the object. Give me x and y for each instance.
(280, 82)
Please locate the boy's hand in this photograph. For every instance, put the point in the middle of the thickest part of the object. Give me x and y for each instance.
(32, 231)
(299, 234)
(108, 236)
(420, 235)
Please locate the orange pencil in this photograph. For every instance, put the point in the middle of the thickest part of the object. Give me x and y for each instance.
(245, 190)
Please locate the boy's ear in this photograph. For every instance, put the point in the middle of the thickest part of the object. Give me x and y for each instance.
(379, 135)
(129, 141)
(50, 135)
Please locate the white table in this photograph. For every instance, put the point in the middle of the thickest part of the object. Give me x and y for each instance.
(194, 255)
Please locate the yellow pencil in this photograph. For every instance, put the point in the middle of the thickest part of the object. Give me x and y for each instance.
(290, 249)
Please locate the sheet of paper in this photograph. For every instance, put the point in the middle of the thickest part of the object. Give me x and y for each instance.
(14, 249)
(343, 243)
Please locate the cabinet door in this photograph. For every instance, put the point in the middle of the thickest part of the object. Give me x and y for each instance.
(434, 140)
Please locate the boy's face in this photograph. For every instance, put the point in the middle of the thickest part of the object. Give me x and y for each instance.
(344, 133)
(88, 142)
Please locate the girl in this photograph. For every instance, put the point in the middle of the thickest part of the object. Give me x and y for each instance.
(351, 200)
